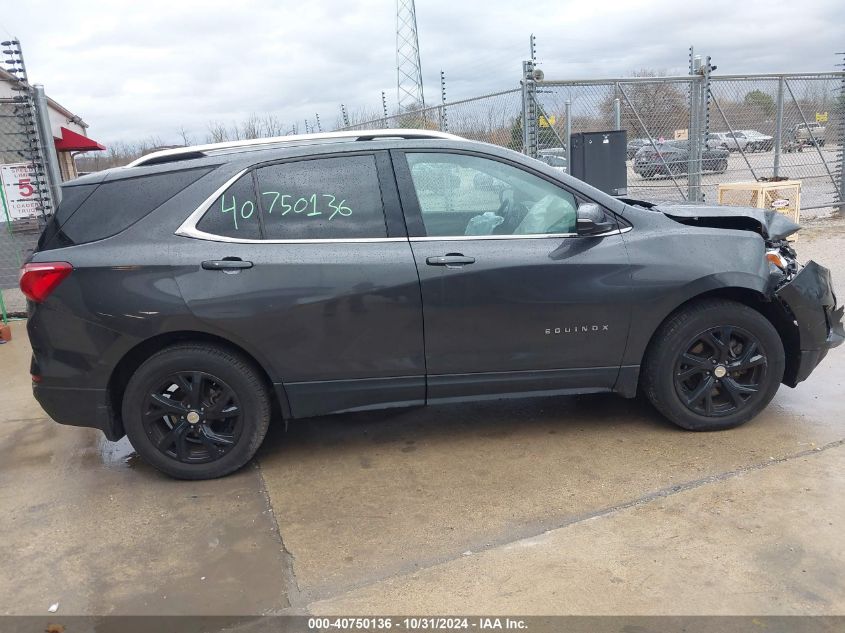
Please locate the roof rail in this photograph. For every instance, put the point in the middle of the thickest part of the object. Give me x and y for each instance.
(198, 151)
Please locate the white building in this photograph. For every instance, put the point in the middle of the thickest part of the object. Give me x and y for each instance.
(70, 132)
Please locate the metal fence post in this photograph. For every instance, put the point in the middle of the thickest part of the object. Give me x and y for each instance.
(48, 149)
(567, 109)
(704, 121)
(617, 114)
(529, 110)
(778, 129)
(693, 135)
(384, 107)
(444, 121)
(839, 130)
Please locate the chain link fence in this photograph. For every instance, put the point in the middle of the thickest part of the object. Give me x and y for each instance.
(494, 118)
(18, 236)
(29, 171)
(750, 128)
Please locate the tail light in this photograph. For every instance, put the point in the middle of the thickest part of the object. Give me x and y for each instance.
(38, 280)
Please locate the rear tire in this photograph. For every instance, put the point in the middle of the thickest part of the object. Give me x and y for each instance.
(196, 411)
(713, 365)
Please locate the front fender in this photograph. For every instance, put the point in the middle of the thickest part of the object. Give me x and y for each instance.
(649, 315)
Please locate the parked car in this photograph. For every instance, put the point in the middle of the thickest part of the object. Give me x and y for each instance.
(672, 158)
(634, 145)
(189, 299)
(554, 157)
(725, 140)
(757, 141)
(809, 132)
(791, 143)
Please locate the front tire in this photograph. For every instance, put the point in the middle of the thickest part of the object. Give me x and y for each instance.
(196, 411)
(713, 365)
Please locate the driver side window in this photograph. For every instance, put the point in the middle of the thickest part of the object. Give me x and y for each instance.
(460, 194)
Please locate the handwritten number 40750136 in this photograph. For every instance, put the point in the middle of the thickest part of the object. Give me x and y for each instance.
(302, 205)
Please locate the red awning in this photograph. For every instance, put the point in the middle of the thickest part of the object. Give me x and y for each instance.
(73, 142)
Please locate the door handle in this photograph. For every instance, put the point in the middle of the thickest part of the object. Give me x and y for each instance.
(452, 260)
(226, 264)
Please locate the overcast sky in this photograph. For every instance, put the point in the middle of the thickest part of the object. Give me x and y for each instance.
(141, 69)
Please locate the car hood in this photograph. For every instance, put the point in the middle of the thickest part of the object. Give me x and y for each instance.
(770, 224)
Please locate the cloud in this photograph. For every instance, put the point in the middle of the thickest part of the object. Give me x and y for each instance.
(135, 70)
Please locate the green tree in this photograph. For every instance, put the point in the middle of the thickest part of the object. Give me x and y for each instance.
(761, 100)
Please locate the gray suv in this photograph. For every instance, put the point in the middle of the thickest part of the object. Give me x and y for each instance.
(199, 293)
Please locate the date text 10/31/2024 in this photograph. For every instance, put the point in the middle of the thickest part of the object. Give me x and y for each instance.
(316, 205)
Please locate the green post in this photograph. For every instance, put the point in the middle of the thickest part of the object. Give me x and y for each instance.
(3, 315)
(5, 208)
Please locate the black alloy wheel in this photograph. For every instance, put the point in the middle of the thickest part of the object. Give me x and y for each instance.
(720, 371)
(712, 365)
(193, 417)
(196, 410)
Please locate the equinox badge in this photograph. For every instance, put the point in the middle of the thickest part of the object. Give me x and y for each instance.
(576, 329)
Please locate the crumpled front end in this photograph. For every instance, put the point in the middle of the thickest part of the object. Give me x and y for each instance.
(810, 299)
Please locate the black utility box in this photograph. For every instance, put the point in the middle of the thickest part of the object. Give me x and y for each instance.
(598, 158)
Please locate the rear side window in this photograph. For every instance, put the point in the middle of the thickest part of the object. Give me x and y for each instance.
(72, 199)
(323, 198)
(235, 213)
(114, 206)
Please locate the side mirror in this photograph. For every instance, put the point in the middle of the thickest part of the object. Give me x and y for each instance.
(592, 220)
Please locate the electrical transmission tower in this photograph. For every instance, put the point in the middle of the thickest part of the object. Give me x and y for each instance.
(409, 84)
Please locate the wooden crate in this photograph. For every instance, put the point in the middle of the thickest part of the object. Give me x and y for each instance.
(783, 196)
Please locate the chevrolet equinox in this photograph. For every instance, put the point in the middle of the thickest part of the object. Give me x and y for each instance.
(187, 299)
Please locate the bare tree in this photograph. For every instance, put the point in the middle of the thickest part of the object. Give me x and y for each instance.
(186, 138)
(217, 132)
(272, 126)
(662, 107)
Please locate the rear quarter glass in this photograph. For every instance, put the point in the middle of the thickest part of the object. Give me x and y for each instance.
(72, 199)
(235, 213)
(113, 206)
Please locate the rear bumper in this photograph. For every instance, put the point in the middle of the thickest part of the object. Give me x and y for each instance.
(78, 407)
(811, 301)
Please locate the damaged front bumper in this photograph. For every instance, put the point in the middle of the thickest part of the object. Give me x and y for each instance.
(810, 299)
